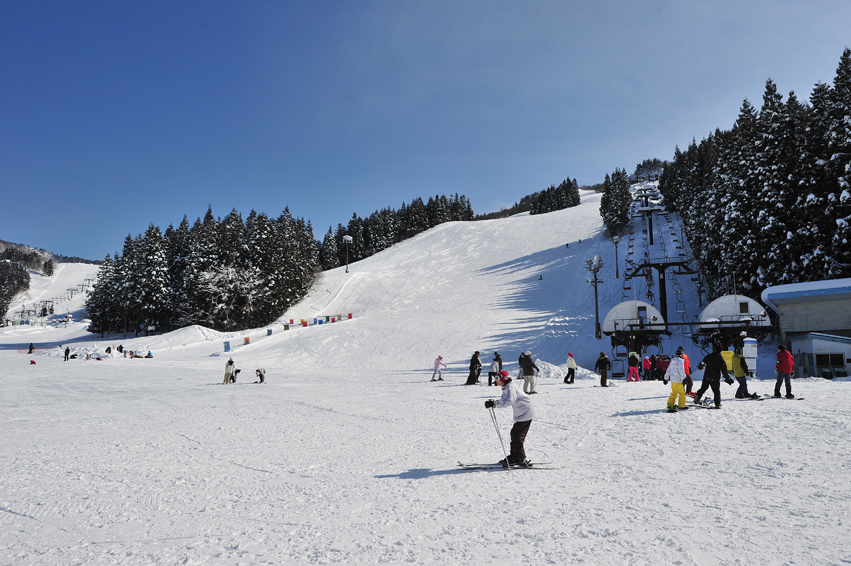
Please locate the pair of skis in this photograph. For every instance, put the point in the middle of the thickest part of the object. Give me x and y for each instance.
(498, 466)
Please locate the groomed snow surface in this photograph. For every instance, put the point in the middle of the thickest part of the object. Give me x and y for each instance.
(348, 454)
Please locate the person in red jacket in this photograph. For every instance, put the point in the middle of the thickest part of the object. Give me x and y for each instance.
(688, 382)
(784, 368)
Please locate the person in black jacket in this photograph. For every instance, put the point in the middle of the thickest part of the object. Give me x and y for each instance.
(475, 369)
(603, 366)
(713, 367)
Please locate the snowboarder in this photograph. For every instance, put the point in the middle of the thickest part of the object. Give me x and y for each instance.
(714, 366)
(261, 375)
(67, 353)
(676, 373)
(529, 370)
(603, 366)
(230, 372)
(783, 368)
(438, 363)
(633, 367)
(32, 348)
(475, 369)
(493, 372)
(524, 412)
(645, 367)
(740, 372)
(571, 368)
(653, 371)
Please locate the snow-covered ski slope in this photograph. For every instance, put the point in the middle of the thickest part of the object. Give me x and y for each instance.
(348, 454)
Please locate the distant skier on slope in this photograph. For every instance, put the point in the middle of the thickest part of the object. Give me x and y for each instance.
(784, 367)
(493, 372)
(571, 369)
(688, 382)
(528, 370)
(603, 366)
(475, 369)
(230, 372)
(524, 412)
(676, 373)
(633, 367)
(714, 366)
(438, 363)
(740, 372)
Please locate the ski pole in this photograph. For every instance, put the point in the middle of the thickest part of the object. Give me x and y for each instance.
(496, 426)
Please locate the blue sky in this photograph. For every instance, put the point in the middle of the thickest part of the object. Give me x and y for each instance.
(114, 115)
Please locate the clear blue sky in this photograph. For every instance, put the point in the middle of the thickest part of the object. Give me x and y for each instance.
(117, 114)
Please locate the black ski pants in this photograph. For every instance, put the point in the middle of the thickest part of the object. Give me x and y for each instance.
(783, 377)
(604, 374)
(492, 377)
(518, 437)
(715, 384)
(570, 374)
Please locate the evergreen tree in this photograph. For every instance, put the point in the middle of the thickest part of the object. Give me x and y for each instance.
(99, 304)
(329, 253)
(839, 147)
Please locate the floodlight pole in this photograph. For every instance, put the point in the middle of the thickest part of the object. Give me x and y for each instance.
(347, 240)
(595, 265)
(616, 239)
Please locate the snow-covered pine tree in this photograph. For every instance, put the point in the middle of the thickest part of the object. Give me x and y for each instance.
(839, 146)
(773, 170)
(357, 248)
(99, 301)
(178, 248)
(740, 185)
(154, 283)
(814, 229)
(329, 254)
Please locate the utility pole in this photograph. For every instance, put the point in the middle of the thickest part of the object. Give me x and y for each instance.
(595, 265)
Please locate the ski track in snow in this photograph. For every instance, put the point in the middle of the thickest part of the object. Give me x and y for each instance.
(348, 454)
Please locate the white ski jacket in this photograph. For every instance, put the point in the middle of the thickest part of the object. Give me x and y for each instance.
(676, 372)
(494, 367)
(571, 363)
(513, 397)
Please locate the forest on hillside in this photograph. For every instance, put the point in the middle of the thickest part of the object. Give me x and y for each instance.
(768, 202)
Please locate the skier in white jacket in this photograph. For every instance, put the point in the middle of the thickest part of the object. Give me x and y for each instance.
(524, 412)
(676, 374)
(571, 369)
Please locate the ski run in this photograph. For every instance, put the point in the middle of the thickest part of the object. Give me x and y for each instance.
(348, 454)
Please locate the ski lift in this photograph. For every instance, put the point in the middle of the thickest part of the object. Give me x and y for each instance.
(618, 369)
(681, 306)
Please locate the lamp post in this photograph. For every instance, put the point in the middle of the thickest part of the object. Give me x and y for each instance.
(595, 265)
(616, 239)
(347, 240)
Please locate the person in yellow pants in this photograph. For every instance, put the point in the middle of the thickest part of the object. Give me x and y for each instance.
(676, 374)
